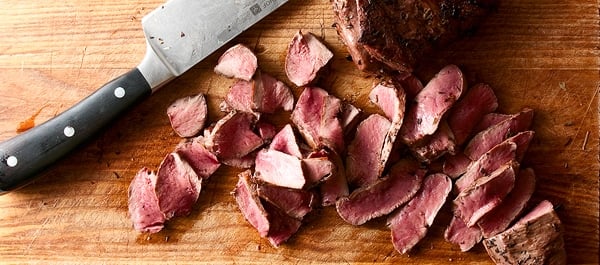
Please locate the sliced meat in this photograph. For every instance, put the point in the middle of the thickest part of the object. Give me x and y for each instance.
(460, 234)
(410, 83)
(305, 57)
(317, 170)
(244, 162)
(485, 194)
(266, 130)
(272, 94)
(485, 140)
(364, 162)
(198, 157)
(425, 114)
(335, 186)
(250, 205)
(522, 140)
(468, 111)
(240, 96)
(177, 186)
(238, 62)
(535, 239)
(280, 169)
(498, 219)
(409, 225)
(281, 225)
(285, 141)
(349, 116)
(440, 143)
(316, 116)
(233, 136)
(143, 206)
(490, 120)
(456, 165)
(486, 164)
(294, 202)
(383, 196)
(188, 115)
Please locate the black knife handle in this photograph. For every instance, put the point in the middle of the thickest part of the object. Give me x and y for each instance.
(25, 155)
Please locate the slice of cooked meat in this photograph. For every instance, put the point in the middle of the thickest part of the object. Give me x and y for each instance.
(522, 140)
(410, 223)
(316, 116)
(282, 226)
(305, 57)
(279, 168)
(188, 115)
(250, 205)
(460, 234)
(294, 202)
(485, 194)
(486, 164)
(240, 96)
(244, 162)
(498, 219)
(441, 142)
(490, 120)
(384, 195)
(535, 239)
(364, 161)
(238, 62)
(233, 136)
(335, 186)
(349, 117)
(468, 111)
(456, 165)
(264, 94)
(200, 159)
(143, 206)
(266, 130)
(177, 186)
(410, 83)
(316, 170)
(399, 33)
(436, 98)
(285, 141)
(485, 140)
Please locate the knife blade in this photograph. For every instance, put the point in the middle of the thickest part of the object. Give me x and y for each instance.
(179, 34)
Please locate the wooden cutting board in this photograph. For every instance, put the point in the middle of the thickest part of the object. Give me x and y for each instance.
(541, 54)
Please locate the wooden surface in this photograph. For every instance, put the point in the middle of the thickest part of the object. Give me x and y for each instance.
(541, 54)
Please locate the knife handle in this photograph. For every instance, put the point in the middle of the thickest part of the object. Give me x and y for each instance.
(25, 155)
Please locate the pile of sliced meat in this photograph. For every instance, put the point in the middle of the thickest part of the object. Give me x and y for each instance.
(426, 144)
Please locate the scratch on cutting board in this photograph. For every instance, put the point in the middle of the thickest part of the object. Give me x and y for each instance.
(36, 234)
(587, 110)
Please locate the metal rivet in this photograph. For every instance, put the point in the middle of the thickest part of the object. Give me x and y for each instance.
(119, 92)
(69, 131)
(12, 161)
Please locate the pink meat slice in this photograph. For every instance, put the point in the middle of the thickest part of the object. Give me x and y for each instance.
(244, 162)
(266, 130)
(317, 169)
(437, 145)
(316, 116)
(456, 165)
(280, 169)
(498, 219)
(436, 98)
(177, 186)
(204, 162)
(490, 120)
(383, 196)
(486, 164)
(522, 139)
(484, 194)
(469, 110)
(144, 211)
(285, 141)
(281, 225)
(409, 224)
(294, 202)
(250, 205)
(335, 186)
(460, 234)
(305, 57)
(485, 140)
(188, 115)
(364, 162)
(233, 136)
(237, 62)
(410, 83)
(241, 96)
(349, 117)
(271, 94)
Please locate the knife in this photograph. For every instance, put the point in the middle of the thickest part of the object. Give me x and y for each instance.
(179, 34)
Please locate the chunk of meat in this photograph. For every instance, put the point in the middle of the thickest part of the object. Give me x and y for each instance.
(423, 117)
(305, 57)
(188, 115)
(280, 169)
(294, 202)
(198, 157)
(143, 206)
(266, 130)
(240, 96)
(363, 162)
(409, 224)
(233, 136)
(486, 164)
(383, 196)
(460, 234)
(285, 141)
(490, 120)
(316, 116)
(349, 117)
(469, 110)
(484, 194)
(177, 186)
(335, 186)
(535, 239)
(410, 83)
(456, 165)
(498, 219)
(441, 142)
(264, 94)
(238, 62)
(250, 205)
(317, 169)
(281, 225)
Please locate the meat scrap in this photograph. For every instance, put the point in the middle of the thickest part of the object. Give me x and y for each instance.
(535, 239)
(144, 211)
(410, 223)
(305, 57)
(294, 202)
(177, 186)
(247, 199)
(486, 164)
(187, 115)
(440, 143)
(384, 195)
(469, 110)
(282, 226)
(317, 170)
(264, 94)
(335, 186)
(285, 141)
(460, 234)
(238, 62)
(233, 136)
(280, 169)
(204, 162)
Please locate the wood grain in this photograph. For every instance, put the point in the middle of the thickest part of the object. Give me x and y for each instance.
(541, 54)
